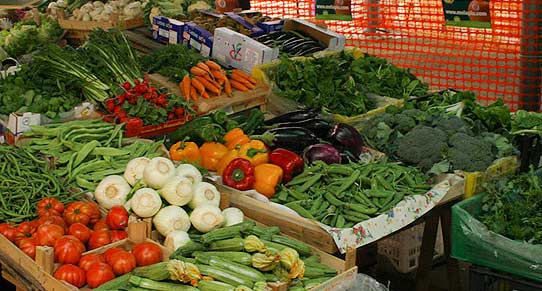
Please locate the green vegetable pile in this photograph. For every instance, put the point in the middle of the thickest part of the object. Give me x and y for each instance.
(25, 180)
(172, 61)
(339, 83)
(32, 89)
(25, 36)
(525, 122)
(176, 9)
(213, 126)
(341, 195)
(511, 207)
(436, 142)
(86, 151)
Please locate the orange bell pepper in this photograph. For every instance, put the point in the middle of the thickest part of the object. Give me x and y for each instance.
(211, 154)
(235, 137)
(267, 178)
(225, 161)
(254, 151)
(185, 151)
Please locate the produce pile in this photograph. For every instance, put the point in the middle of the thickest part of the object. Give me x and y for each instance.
(343, 195)
(292, 43)
(511, 206)
(436, 141)
(97, 10)
(344, 86)
(26, 36)
(86, 151)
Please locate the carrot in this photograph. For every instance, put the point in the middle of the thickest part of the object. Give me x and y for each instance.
(212, 65)
(238, 86)
(219, 75)
(204, 67)
(205, 95)
(227, 87)
(193, 93)
(185, 87)
(244, 75)
(198, 85)
(242, 80)
(208, 85)
(220, 82)
(196, 71)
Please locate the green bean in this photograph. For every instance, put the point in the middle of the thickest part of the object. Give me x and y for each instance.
(84, 152)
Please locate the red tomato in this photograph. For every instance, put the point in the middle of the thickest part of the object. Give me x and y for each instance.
(28, 246)
(58, 220)
(122, 263)
(10, 231)
(4, 227)
(68, 250)
(117, 217)
(80, 231)
(50, 206)
(77, 212)
(147, 253)
(110, 252)
(88, 260)
(101, 225)
(117, 235)
(48, 234)
(71, 274)
(93, 212)
(28, 228)
(99, 238)
(98, 274)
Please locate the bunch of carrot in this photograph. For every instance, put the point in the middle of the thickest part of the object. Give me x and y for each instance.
(208, 78)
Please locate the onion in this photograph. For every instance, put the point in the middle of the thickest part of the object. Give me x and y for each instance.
(112, 190)
(146, 202)
(157, 172)
(206, 218)
(177, 191)
(232, 216)
(171, 218)
(204, 193)
(134, 169)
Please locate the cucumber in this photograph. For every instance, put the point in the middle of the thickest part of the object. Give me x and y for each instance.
(302, 248)
(237, 257)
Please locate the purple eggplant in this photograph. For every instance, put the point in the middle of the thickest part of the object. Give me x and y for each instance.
(293, 116)
(323, 152)
(348, 138)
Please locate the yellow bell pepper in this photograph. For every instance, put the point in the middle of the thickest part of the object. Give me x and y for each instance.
(211, 154)
(235, 137)
(254, 151)
(267, 178)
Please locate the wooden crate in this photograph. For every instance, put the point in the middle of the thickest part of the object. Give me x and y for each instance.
(79, 29)
(239, 101)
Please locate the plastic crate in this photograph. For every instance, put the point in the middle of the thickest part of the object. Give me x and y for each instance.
(485, 279)
(403, 249)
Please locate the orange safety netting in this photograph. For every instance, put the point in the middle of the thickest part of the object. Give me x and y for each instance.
(413, 34)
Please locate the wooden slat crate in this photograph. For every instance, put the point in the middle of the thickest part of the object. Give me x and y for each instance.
(79, 29)
(239, 101)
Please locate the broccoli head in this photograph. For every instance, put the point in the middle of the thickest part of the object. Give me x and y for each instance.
(422, 146)
(452, 125)
(470, 153)
(403, 123)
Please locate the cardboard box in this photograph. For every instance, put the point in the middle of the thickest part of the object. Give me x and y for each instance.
(160, 30)
(17, 123)
(176, 30)
(271, 26)
(255, 30)
(239, 51)
(197, 37)
(333, 40)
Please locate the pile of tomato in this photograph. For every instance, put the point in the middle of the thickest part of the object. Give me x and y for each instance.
(75, 228)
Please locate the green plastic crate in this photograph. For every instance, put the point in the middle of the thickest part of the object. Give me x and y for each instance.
(473, 242)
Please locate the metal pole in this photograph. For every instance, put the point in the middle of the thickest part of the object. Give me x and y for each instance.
(531, 56)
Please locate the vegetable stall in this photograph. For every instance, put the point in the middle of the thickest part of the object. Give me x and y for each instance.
(139, 156)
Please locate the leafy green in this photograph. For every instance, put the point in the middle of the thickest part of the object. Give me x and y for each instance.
(172, 61)
(25, 36)
(511, 206)
(525, 122)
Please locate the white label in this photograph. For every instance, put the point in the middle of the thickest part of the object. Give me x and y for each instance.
(195, 44)
(173, 37)
(205, 51)
(164, 33)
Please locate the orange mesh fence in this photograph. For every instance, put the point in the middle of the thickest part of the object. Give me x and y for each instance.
(503, 61)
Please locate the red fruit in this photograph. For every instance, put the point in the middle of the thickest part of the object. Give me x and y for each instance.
(50, 206)
(28, 246)
(147, 253)
(68, 250)
(99, 238)
(117, 217)
(48, 234)
(117, 235)
(71, 274)
(98, 274)
(80, 231)
(52, 220)
(101, 225)
(88, 260)
(122, 263)
(108, 255)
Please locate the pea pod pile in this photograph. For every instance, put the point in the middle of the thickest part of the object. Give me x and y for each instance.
(86, 151)
(343, 195)
(25, 180)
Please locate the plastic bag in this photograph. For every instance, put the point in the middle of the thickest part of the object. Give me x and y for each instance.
(366, 283)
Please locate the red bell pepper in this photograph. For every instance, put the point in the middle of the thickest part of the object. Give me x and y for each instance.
(239, 174)
(291, 163)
